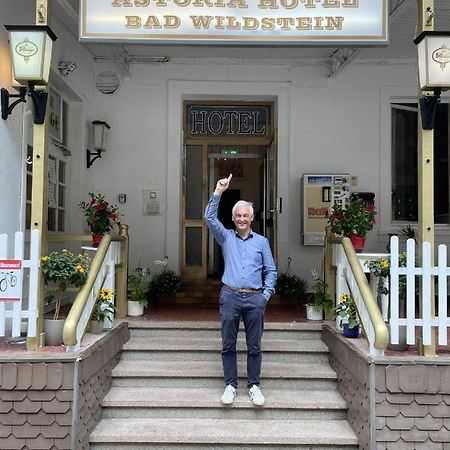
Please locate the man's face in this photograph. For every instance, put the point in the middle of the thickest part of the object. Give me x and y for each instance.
(242, 219)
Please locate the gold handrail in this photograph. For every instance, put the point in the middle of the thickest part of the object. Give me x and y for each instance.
(380, 328)
(381, 331)
(73, 318)
(71, 323)
(122, 274)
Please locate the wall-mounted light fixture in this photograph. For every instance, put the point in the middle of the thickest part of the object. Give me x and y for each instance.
(433, 51)
(98, 139)
(31, 52)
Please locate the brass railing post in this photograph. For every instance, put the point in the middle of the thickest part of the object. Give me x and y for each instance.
(329, 272)
(122, 275)
(425, 152)
(39, 190)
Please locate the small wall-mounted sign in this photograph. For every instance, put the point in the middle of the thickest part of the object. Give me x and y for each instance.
(10, 279)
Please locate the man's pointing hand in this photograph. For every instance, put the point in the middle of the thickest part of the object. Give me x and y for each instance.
(223, 184)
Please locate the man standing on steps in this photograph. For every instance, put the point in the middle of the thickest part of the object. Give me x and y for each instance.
(249, 281)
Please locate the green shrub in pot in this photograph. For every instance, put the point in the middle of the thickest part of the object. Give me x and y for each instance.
(289, 286)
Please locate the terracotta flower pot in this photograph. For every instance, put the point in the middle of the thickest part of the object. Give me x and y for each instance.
(358, 242)
(96, 239)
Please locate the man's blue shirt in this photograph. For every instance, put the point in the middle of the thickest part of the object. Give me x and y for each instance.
(248, 262)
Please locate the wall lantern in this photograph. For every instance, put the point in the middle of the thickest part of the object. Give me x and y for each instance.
(98, 138)
(31, 53)
(433, 51)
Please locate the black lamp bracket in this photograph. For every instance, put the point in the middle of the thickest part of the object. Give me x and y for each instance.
(92, 156)
(39, 99)
(6, 107)
(428, 106)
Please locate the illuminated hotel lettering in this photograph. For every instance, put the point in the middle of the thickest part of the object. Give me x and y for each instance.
(237, 22)
(206, 120)
(246, 23)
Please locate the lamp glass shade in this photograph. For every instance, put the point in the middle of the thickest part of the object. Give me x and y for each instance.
(31, 52)
(434, 62)
(98, 134)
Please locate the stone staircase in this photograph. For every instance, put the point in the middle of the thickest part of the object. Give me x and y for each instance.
(166, 392)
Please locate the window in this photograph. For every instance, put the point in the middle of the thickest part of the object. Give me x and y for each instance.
(56, 194)
(405, 164)
(58, 166)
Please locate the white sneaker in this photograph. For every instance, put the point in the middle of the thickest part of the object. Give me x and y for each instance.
(256, 395)
(228, 395)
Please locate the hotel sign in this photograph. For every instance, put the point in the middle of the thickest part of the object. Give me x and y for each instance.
(250, 22)
(215, 121)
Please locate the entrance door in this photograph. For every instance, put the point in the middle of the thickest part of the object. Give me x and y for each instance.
(249, 183)
(194, 230)
(223, 138)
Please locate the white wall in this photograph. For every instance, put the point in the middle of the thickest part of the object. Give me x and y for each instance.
(77, 89)
(333, 126)
(10, 129)
(326, 125)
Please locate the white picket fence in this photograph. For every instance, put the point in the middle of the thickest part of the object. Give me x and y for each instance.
(428, 273)
(419, 313)
(21, 283)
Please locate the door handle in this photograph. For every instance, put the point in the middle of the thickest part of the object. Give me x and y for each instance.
(279, 206)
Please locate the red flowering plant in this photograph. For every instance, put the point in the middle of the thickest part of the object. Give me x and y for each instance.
(101, 216)
(355, 218)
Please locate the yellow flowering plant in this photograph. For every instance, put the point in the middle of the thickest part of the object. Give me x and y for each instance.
(346, 309)
(64, 268)
(103, 306)
(381, 267)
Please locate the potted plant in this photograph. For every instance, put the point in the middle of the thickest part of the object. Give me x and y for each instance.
(63, 268)
(380, 267)
(101, 216)
(103, 309)
(353, 220)
(137, 290)
(322, 300)
(290, 287)
(164, 284)
(346, 310)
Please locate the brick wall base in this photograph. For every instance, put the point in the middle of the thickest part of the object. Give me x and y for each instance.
(52, 401)
(410, 396)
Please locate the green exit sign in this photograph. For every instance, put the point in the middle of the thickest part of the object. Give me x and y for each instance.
(229, 151)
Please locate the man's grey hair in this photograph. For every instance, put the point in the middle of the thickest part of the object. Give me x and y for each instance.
(248, 205)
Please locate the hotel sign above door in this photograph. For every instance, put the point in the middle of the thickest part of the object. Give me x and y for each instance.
(250, 22)
(218, 121)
